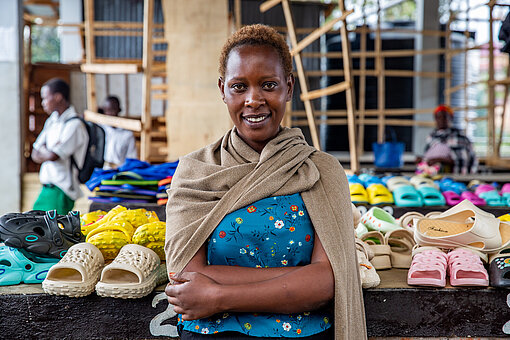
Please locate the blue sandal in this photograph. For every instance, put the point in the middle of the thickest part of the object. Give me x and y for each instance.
(407, 196)
(18, 265)
(50, 235)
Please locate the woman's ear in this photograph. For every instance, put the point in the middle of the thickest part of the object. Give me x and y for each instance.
(221, 85)
(290, 86)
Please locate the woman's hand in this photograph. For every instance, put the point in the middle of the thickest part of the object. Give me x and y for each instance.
(193, 295)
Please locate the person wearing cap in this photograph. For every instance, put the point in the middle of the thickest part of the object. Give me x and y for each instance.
(448, 147)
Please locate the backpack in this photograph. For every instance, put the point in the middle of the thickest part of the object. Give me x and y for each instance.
(94, 156)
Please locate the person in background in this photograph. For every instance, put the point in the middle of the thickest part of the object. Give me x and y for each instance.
(60, 139)
(447, 147)
(260, 235)
(119, 143)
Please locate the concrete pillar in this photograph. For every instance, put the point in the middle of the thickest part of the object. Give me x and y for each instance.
(11, 96)
(425, 89)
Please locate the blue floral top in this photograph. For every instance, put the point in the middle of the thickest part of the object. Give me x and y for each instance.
(272, 232)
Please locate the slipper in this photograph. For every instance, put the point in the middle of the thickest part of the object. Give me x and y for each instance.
(499, 268)
(466, 269)
(358, 193)
(492, 198)
(505, 189)
(428, 267)
(379, 194)
(484, 188)
(407, 196)
(401, 243)
(452, 198)
(381, 250)
(368, 275)
(419, 181)
(110, 237)
(50, 235)
(354, 179)
(406, 220)
(463, 225)
(448, 184)
(505, 218)
(77, 272)
(152, 236)
(369, 180)
(431, 196)
(134, 273)
(473, 198)
(397, 181)
(18, 265)
(378, 219)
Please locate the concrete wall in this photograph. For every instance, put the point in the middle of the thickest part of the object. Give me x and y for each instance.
(11, 107)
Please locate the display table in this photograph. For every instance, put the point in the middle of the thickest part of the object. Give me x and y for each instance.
(393, 309)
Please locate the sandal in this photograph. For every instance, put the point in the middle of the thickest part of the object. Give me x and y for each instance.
(473, 198)
(428, 267)
(401, 243)
(499, 268)
(18, 265)
(50, 235)
(358, 193)
(431, 196)
(77, 272)
(378, 219)
(152, 236)
(452, 198)
(406, 220)
(466, 269)
(379, 194)
(86, 229)
(380, 248)
(134, 273)
(110, 237)
(492, 198)
(407, 196)
(368, 274)
(464, 225)
(397, 181)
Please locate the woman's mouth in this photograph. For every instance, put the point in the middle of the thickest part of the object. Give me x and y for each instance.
(256, 119)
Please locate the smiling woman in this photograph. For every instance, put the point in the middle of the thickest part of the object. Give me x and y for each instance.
(260, 238)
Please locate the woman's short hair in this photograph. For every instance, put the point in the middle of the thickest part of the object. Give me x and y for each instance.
(257, 35)
(57, 85)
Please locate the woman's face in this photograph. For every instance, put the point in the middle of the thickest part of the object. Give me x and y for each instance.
(255, 90)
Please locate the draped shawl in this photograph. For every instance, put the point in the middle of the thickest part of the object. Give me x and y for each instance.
(228, 175)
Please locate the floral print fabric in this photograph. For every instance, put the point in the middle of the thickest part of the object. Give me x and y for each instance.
(272, 232)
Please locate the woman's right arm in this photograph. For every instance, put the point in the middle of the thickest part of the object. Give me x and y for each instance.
(232, 275)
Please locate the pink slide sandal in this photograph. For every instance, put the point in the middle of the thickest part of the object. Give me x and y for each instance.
(473, 198)
(452, 198)
(466, 269)
(428, 268)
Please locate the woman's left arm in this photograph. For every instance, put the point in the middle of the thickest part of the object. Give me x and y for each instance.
(304, 289)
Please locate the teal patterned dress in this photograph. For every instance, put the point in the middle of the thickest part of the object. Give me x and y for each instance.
(272, 232)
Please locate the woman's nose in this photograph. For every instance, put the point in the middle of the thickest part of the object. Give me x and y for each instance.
(254, 98)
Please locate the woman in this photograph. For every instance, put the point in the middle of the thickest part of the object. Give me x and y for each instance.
(259, 224)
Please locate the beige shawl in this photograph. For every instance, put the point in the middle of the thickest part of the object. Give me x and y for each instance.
(229, 175)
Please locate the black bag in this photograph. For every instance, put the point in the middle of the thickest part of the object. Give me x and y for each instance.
(94, 157)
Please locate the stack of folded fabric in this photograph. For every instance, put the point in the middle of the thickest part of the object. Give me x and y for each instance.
(34, 241)
(133, 239)
(134, 182)
(163, 186)
(460, 243)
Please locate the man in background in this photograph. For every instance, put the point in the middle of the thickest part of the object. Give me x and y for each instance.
(61, 139)
(120, 143)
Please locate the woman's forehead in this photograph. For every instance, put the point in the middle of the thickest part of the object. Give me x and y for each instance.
(253, 58)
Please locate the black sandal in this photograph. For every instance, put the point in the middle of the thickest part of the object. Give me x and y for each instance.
(49, 234)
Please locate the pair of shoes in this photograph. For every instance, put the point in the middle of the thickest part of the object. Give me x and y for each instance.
(393, 250)
(430, 266)
(368, 275)
(499, 268)
(42, 233)
(463, 225)
(134, 273)
(377, 219)
(20, 266)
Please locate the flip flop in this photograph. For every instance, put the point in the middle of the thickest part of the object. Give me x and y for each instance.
(452, 198)
(431, 196)
(50, 235)
(466, 269)
(18, 265)
(358, 193)
(499, 268)
(407, 196)
(76, 273)
(428, 267)
(379, 194)
(134, 273)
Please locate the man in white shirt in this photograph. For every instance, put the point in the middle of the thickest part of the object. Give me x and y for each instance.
(60, 139)
(119, 143)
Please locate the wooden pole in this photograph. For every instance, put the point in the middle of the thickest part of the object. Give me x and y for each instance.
(491, 87)
(500, 136)
(237, 13)
(362, 88)
(145, 137)
(301, 75)
(379, 66)
(90, 54)
(448, 57)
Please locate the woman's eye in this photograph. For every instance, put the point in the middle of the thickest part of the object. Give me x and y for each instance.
(269, 86)
(238, 87)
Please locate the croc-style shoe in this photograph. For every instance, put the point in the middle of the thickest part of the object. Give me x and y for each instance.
(152, 236)
(20, 266)
(51, 234)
